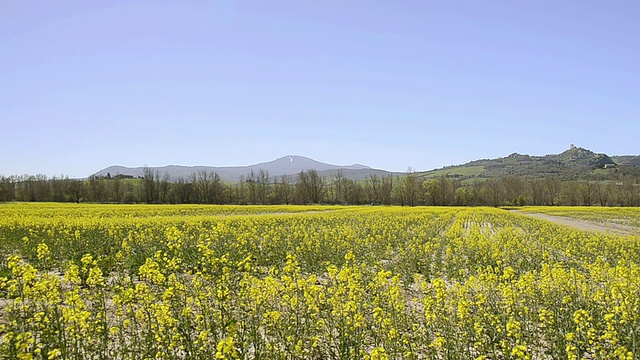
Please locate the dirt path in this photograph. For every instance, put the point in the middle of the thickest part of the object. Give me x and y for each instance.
(582, 224)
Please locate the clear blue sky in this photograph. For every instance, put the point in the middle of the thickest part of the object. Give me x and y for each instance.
(85, 84)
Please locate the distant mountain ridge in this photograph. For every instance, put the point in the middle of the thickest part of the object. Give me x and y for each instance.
(287, 165)
(572, 163)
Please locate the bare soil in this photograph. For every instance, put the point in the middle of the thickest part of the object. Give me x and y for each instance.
(583, 224)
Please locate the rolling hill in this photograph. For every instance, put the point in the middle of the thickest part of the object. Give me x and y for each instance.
(572, 163)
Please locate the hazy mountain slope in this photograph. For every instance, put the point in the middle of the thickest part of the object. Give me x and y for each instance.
(287, 165)
(575, 162)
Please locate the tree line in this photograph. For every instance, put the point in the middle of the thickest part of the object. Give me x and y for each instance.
(308, 187)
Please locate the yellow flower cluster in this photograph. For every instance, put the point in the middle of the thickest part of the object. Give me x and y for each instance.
(293, 282)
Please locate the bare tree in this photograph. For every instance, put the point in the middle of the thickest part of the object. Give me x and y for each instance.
(410, 189)
(42, 187)
(149, 190)
(163, 186)
(601, 191)
(340, 188)
(536, 188)
(263, 186)
(571, 192)
(514, 189)
(58, 188)
(628, 192)
(181, 191)
(493, 191)
(241, 191)
(354, 192)
(587, 190)
(386, 189)
(95, 189)
(284, 190)
(310, 187)
(374, 189)
(552, 186)
(116, 189)
(207, 187)
(251, 182)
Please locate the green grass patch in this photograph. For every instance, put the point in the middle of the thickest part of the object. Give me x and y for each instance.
(459, 172)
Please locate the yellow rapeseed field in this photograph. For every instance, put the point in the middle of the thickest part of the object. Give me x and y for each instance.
(286, 282)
